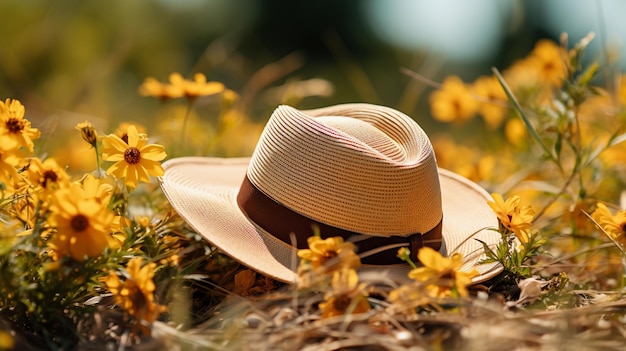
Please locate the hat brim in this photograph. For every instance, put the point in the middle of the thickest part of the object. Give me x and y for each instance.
(203, 191)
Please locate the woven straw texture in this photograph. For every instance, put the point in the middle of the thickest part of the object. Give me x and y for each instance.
(363, 168)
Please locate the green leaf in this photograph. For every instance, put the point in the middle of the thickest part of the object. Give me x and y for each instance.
(617, 139)
(558, 145)
(584, 79)
(491, 256)
(531, 129)
(503, 250)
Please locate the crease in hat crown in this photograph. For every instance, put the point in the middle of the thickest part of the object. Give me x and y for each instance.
(363, 168)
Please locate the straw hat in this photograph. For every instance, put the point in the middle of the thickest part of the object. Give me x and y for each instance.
(364, 172)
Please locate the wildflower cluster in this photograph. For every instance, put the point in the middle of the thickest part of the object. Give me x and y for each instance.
(70, 244)
(543, 103)
(335, 259)
(64, 239)
(331, 264)
(534, 77)
(180, 87)
(544, 110)
(190, 89)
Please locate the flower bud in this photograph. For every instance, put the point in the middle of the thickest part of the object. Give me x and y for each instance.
(88, 132)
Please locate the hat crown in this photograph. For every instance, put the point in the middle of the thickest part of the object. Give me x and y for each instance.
(363, 168)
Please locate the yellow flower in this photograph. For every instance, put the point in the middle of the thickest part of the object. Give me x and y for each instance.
(154, 88)
(407, 298)
(99, 189)
(346, 295)
(88, 133)
(229, 97)
(329, 253)
(197, 87)
(47, 175)
(122, 131)
(494, 108)
(542, 69)
(9, 159)
(521, 75)
(548, 59)
(515, 131)
(614, 225)
(14, 128)
(512, 217)
(117, 236)
(442, 275)
(504, 210)
(136, 160)
(82, 224)
(453, 101)
(136, 294)
(468, 161)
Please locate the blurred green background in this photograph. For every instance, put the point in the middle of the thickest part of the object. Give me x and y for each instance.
(70, 60)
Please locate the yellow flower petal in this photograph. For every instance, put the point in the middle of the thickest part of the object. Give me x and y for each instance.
(153, 152)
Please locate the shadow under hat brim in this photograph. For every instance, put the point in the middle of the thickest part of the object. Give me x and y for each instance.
(203, 191)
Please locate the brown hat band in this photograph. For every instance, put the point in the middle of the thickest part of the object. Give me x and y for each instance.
(280, 221)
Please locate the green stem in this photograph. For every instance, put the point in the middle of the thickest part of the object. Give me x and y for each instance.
(185, 120)
(562, 191)
(531, 129)
(95, 147)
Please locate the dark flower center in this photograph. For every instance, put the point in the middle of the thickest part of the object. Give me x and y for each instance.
(15, 125)
(79, 222)
(448, 274)
(549, 66)
(49, 176)
(456, 106)
(137, 298)
(132, 155)
(341, 303)
(330, 254)
(623, 227)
